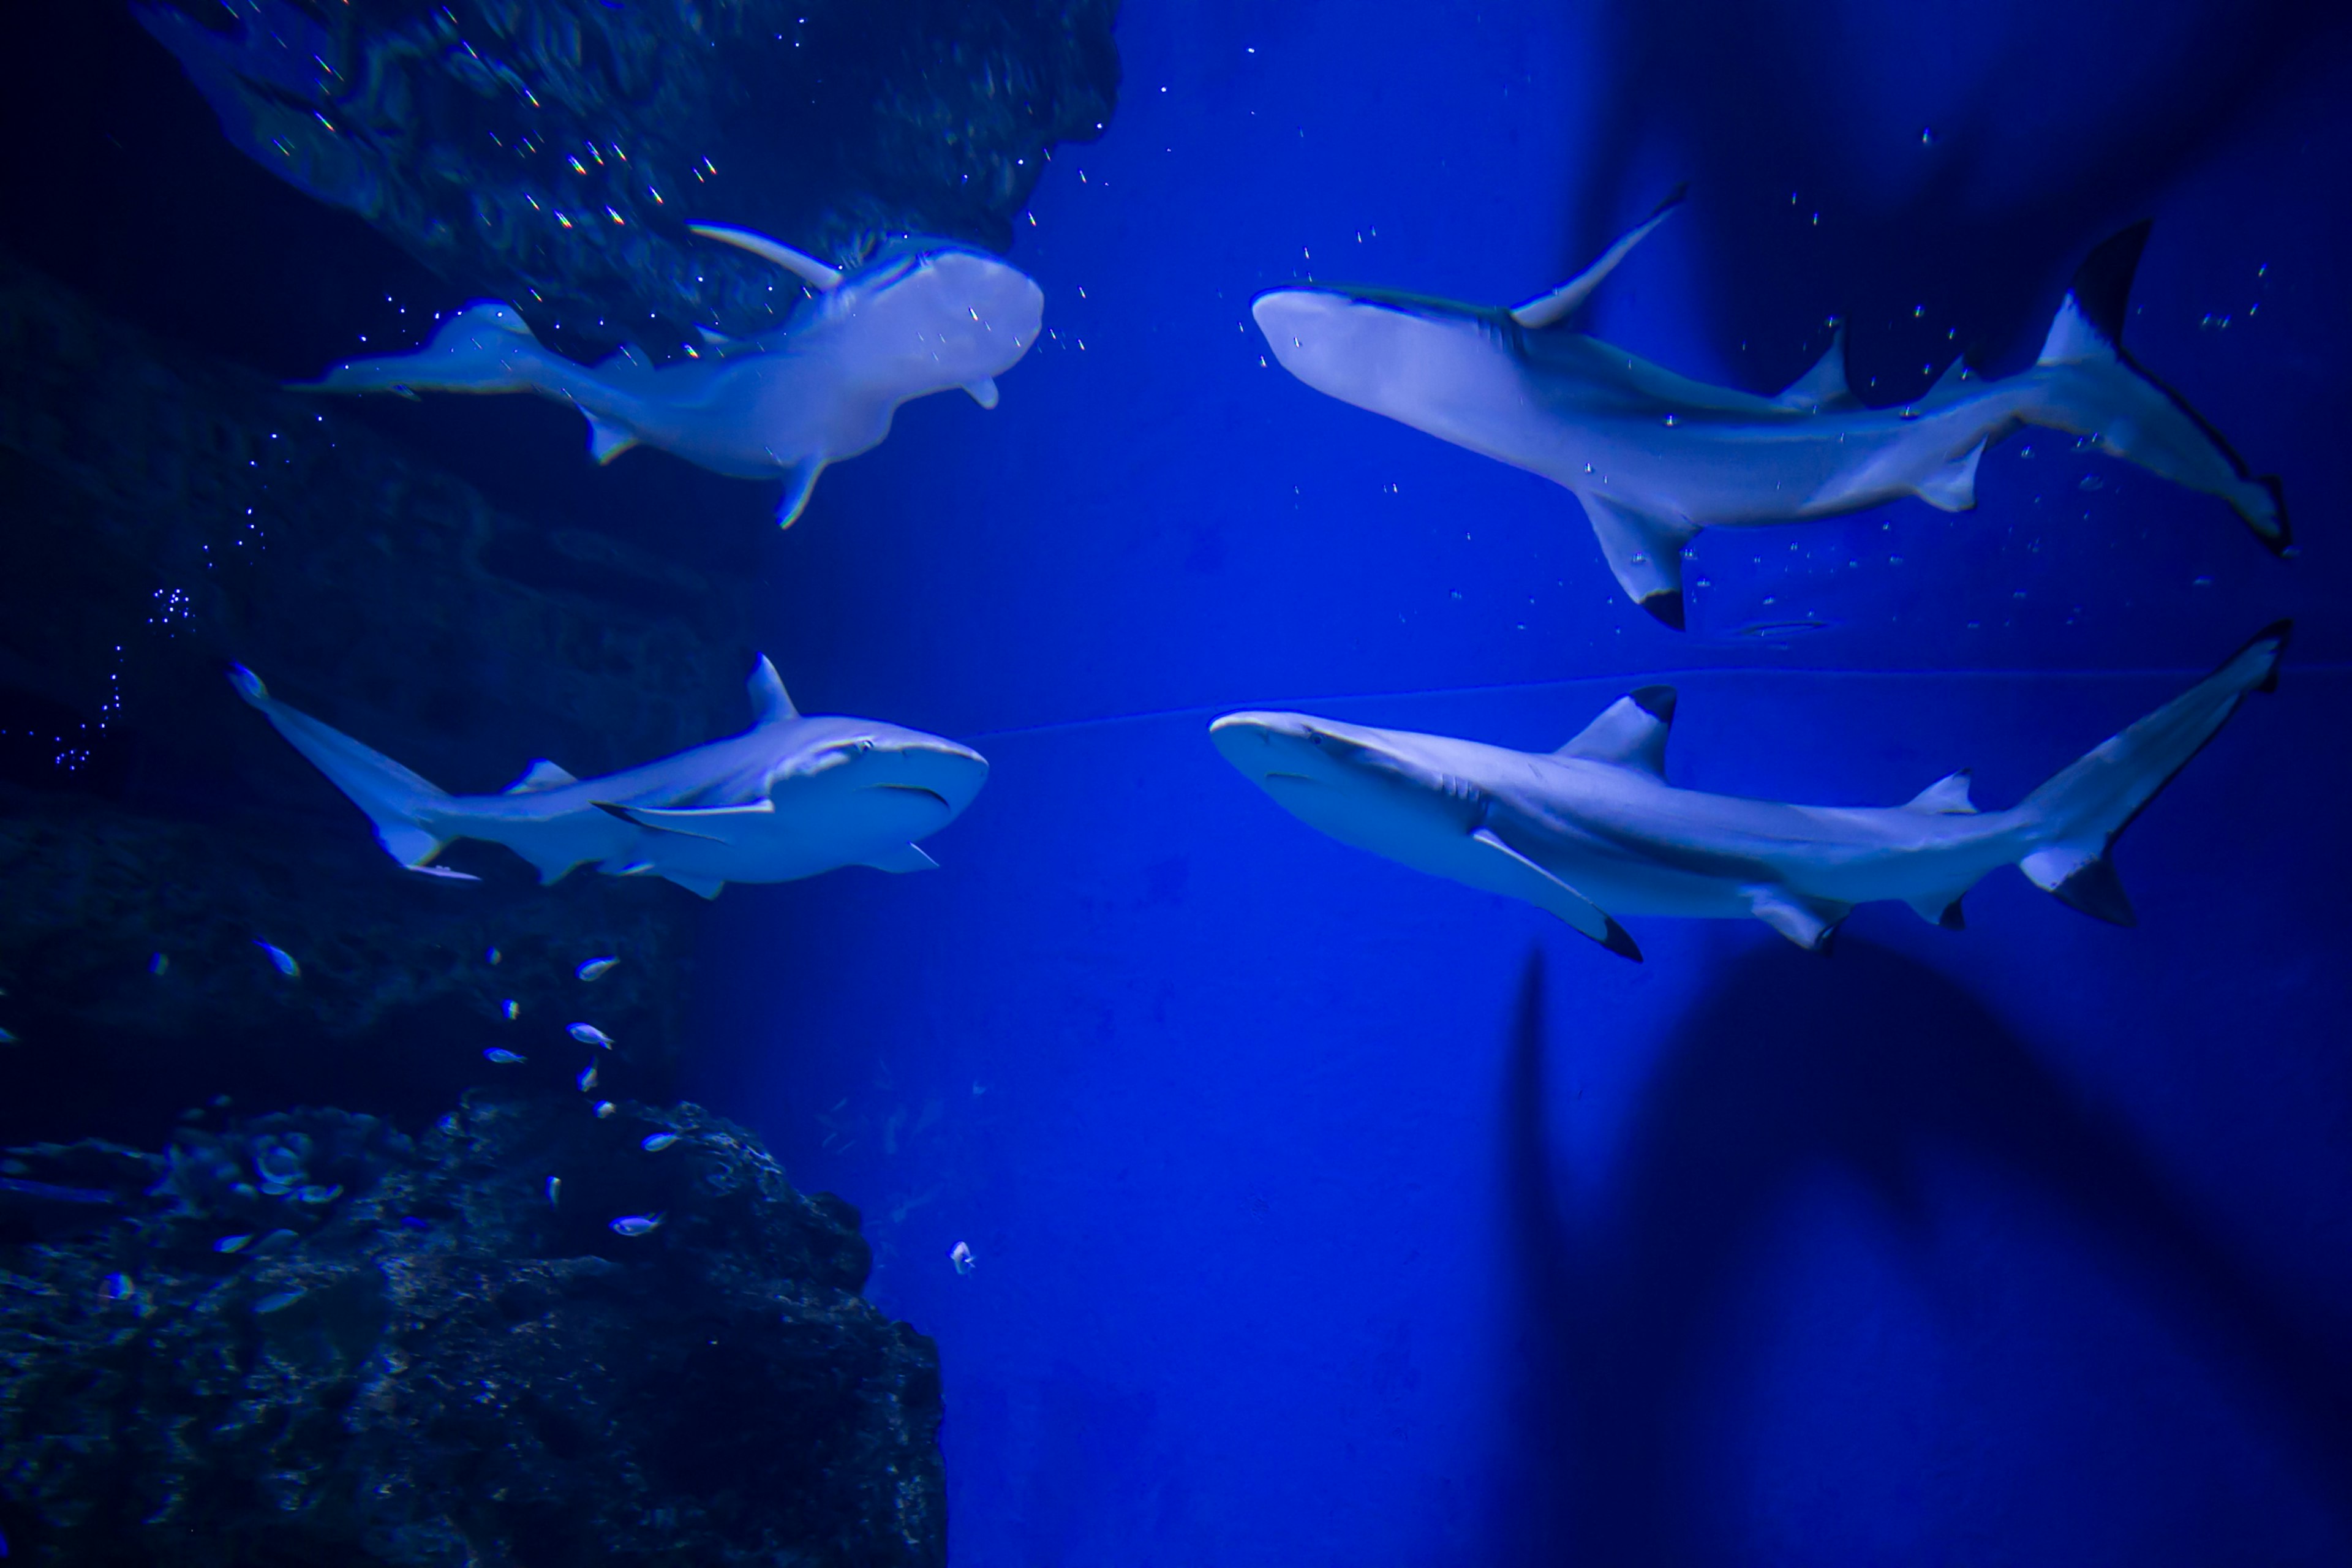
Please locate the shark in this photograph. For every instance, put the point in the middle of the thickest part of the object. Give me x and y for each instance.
(920, 316)
(791, 796)
(1594, 831)
(1656, 457)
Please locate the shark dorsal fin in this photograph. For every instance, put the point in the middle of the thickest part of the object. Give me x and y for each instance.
(541, 776)
(1550, 310)
(1947, 796)
(1823, 389)
(1631, 732)
(2090, 321)
(799, 263)
(1948, 386)
(769, 704)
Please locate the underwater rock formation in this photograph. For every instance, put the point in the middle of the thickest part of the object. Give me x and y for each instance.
(307, 1339)
(168, 514)
(550, 153)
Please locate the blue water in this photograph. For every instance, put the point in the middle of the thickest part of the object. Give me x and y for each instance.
(1326, 1213)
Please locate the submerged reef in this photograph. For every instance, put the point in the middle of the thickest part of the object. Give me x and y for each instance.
(168, 514)
(308, 1338)
(550, 153)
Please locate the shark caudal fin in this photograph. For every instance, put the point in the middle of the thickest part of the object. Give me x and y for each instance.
(486, 347)
(2100, 391)
(394, 799)
(2078, 813)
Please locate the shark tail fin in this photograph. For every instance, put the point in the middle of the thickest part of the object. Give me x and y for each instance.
(398, 802)
(486, 347)
(2078, 815)
(2135, 416)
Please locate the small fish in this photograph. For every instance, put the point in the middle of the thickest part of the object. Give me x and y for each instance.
(595, 968)
(160, 963)
(115, 1287)
(636, 1224)
(605, 1107)
(281, 960)
(315, 1193)
(503, 1056)
(414, 1222)
(588, 1078)
(590, 1035)
(6, 1039)
(510, 1007)
(655, 1143)
(233, 1243)
(960, 1256)
(492, 955)
(554, 1191)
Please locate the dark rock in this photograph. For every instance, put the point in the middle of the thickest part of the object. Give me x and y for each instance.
(308, 1338)
(167, 514)
(551, 152)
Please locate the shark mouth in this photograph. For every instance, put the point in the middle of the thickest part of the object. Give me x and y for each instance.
(915, 789)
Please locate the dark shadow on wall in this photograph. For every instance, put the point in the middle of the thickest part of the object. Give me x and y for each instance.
(1867, 1064)
(1980, 215)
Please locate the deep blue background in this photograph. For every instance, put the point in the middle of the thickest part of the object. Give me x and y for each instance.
(1326, 1215)
(1329, 1215)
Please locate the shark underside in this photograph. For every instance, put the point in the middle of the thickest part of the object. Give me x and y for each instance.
(1594, 831)
(1656, 457)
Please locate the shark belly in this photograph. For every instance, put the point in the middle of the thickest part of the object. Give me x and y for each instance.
(550, 830)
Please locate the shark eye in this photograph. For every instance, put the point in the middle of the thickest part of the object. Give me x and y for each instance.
(864, 746)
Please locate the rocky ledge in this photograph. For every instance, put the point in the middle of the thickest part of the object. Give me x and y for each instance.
(533, 1336)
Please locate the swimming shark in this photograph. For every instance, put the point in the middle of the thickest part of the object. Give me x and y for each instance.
(1656, 457)
(790, 798)
(1594, 831)
(920, 316)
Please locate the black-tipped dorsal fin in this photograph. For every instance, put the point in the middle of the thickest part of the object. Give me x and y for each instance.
(1550, 310)
(1631, 732)
(770, 703)
(1947, 796)
(2090, 320)
(1823, 389)
(542, 774)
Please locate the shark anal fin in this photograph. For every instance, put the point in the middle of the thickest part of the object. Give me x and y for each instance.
(607, 440)
(1631, 732)
(983, 390)
(1810, 923)
(1546, 891)
(800, 483)
(1823, 389)
(1953, 487)
(906, 857)
(1645, 551)
(1948, 795)
(1550, 310)
(539, 776)
(1940, 910)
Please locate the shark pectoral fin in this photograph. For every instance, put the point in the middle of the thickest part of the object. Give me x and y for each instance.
(1940, 910)
(607, 440)
(1947, 796)
(799, 263)
(1810, 923)
(983, 390)
(541, 776)
(1631, 732)
(1823, 388)
(729, 824)
(1953, 487)
(906, 857)
(2082, 875)
(800, 483)
(1538, 887)
(1644, 550)
(1550, 310)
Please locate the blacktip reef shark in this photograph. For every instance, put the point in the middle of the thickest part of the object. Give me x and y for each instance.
(790, 798)
(920, 316)
(1594, 831)
(1656, 457)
